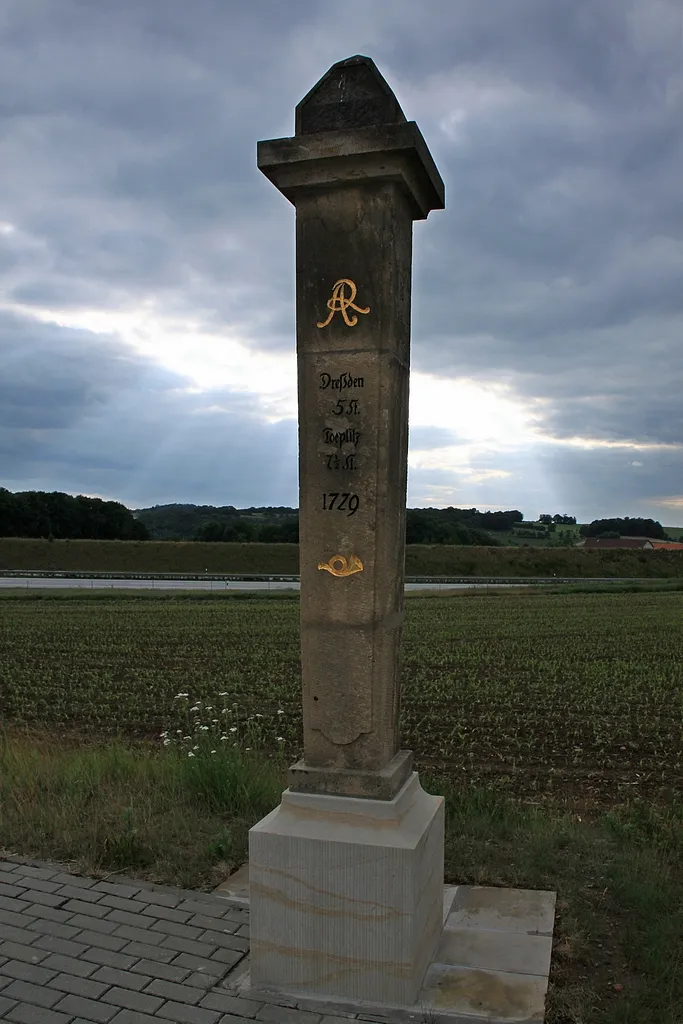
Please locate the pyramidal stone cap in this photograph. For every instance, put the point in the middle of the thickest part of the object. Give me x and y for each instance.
(348, 129)
(352, 94)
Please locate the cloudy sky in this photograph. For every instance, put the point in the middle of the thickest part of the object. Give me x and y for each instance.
(147, 267)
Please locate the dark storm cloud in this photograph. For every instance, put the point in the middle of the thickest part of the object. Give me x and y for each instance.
(127, 169)
(83, 413)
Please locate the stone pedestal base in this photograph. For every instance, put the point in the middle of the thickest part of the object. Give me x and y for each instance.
(346, 894)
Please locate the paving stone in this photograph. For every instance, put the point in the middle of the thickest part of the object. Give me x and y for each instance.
(94, 1010)
(55, 945)
(107, 958)
(11, 890)
(130, 1000)
(27, 972)
(229, 957)
(27, 992)
(89, 909)
(134, 920)
(123, 979)
(146, 935)
(200, 964)
(168, 914)
(144, 950)
(225, 940)
(78, 986)
(13, 917)
(227, 1003)
(172, 990)
(196, 907)
(288, 1015)
(74, 881)
(60, 931)
(47, 913)
(189, 1014)
(183, 931)
(102, 941)
(30, 871)
(43, 885)
(23, 1013)
(340, 1020)
(188, 946)
(12, 903)
(230, 1018)
(133, 1017)
(22, 951)
(69, 965)
(202, 981)
(5, 1005)
(48, 899)
(163, 899)
(95, 923)
(116, 902)
(117, 889)
(167, 972)
(8, 877)
(75, 892)
(224, 925)
(8, 933)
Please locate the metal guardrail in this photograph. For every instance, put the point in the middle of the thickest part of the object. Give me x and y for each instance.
(294, 577)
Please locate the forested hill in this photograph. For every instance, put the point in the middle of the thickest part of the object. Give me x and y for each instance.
(58, 516)
(280, 524)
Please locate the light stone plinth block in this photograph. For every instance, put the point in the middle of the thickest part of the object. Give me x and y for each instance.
(346, 894)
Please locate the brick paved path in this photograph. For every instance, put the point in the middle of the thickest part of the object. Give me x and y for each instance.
(77, 951)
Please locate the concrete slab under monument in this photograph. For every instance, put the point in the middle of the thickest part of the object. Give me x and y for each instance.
(490, 966)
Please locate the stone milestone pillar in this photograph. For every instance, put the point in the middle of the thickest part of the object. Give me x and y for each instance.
(325, 914)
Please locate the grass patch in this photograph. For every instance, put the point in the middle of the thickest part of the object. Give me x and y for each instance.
(112, 805)
(618, 938)
(109, 805)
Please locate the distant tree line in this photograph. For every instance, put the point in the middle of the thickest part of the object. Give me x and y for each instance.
(557, 520)
(58, 516)
(624, 528)
(279, 524)
(245, 529)
(457, 525)
(190, 522)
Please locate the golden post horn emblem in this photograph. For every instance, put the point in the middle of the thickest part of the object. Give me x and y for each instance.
(339, 303)
(338, 565)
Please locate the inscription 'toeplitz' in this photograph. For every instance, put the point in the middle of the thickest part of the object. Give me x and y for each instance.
(340, 437)
(344, 380)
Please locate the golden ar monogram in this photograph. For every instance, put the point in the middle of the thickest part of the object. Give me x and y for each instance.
(340, 302)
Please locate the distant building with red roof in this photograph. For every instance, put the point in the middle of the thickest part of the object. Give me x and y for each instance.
(603, 543)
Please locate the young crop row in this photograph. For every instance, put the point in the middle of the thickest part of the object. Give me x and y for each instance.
(576, 695)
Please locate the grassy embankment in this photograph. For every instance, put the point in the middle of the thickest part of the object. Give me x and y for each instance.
(421, 559)
(551, 723)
